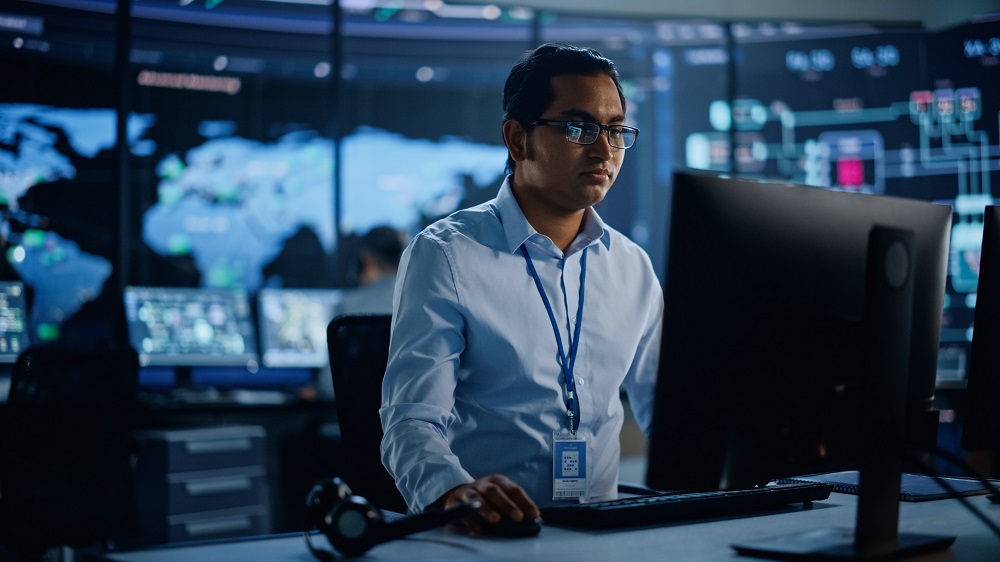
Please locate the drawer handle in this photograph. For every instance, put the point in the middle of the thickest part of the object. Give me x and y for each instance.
(209, 486)
(216, 526)
(217, 446)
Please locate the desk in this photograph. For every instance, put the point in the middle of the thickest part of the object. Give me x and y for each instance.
(703, 540)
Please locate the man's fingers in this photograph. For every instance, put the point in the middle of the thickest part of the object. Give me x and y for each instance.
(503, 495)
(499, 498)
(487, 509)
(527, 507)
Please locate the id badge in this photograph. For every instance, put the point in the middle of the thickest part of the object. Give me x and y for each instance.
(569, 466)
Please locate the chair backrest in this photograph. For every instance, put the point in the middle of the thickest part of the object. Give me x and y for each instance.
(65, 448)
(359, 351)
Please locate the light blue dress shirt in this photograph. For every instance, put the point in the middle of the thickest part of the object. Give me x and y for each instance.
(474, 387)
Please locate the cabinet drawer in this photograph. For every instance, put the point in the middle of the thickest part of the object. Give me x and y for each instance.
(221, 524)
(214, 490)
(190, 450)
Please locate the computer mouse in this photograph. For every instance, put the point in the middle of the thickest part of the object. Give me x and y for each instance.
(513, 529)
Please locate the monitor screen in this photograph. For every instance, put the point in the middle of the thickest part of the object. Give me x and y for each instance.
(761, 369)
(981, 427)
(293, 326)
(13, 321)
(191, 327)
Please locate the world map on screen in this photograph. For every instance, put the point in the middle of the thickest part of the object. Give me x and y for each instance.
(39, 145)
(230, 203)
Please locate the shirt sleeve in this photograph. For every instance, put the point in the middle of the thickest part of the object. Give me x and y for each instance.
(640, 381)
(418, 391)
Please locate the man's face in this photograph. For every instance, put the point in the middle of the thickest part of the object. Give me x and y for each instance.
(562, 176)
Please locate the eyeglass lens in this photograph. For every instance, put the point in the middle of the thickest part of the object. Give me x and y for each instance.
(586, 133)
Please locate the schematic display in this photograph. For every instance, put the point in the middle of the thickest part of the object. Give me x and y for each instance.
(904, 114)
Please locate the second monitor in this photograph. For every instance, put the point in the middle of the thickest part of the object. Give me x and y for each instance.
(981, 428)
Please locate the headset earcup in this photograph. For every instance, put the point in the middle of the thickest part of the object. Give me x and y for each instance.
(321, 500)
(353, 526)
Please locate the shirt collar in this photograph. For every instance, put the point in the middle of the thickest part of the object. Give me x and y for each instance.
(517, 230)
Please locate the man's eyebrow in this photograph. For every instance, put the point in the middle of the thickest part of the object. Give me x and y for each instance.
(585, 115)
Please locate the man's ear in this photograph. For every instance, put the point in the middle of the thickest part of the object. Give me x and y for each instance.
(516, 138)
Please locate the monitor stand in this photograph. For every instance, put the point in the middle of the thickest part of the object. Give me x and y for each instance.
(888, 321)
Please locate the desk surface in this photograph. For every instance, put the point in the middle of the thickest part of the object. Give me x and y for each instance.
(702, 540)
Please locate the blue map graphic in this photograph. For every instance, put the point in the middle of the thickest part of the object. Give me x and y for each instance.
(62, 276)
(389, 178)
(232, 202)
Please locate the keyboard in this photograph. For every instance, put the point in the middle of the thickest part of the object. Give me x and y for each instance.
(683, 506)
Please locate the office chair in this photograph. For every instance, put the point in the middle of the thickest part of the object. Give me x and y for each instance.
(65, 449)
(359, 350)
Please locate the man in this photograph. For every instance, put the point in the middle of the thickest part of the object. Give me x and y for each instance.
(378, 260)
(517, 321)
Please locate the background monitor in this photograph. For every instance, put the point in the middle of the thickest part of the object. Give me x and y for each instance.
(14, 332)
(66, 451)
(293, 326)
(981, 428)
(191, 327)
(762, 372)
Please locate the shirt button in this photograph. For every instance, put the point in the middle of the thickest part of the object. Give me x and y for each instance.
(581, 381)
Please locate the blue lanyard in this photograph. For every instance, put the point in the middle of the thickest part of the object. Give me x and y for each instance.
(567, 365)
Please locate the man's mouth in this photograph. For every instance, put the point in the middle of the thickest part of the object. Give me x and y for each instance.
(599, 174)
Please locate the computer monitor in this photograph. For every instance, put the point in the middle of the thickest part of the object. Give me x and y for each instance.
(14, 332)
(762, 371)
(173, 326)
(981, 427)
(293, 326)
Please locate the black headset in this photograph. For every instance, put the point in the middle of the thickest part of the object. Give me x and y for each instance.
(353, 525)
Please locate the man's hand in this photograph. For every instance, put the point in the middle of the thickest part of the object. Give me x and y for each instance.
(499, 497)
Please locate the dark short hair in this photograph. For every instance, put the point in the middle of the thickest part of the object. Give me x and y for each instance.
(385, 244)
(528, 90)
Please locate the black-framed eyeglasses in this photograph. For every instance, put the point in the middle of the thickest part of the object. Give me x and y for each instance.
(585, 132)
